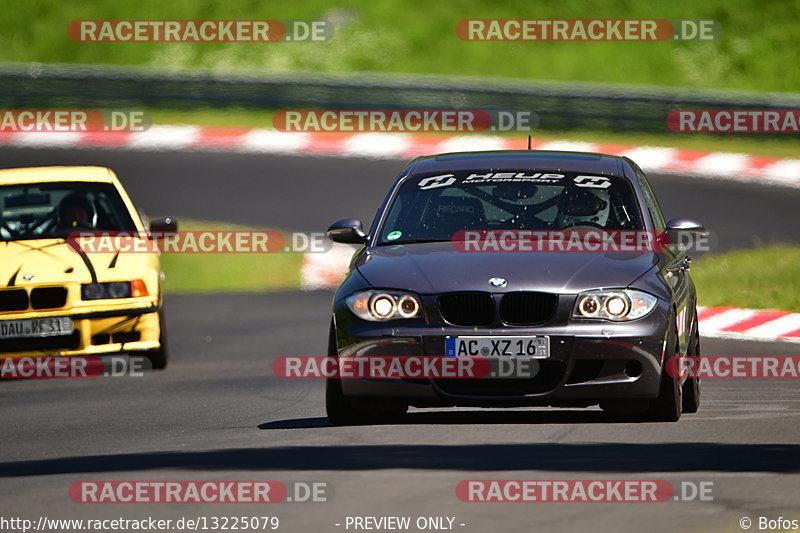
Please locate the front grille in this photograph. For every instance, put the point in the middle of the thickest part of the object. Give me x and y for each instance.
(467, 308)
(13, 300)
(527, 308)
(48, 297)
(64, 342)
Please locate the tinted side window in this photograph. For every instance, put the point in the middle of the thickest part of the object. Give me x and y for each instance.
(652, 203)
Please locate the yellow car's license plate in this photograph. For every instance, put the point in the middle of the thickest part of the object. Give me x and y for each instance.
(36, 327)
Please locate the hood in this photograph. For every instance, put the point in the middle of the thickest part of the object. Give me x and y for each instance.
(429, 268)
(54, 261)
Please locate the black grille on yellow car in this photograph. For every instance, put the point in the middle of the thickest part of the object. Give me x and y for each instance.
(121, 337)
(48, 297)
(13, 300)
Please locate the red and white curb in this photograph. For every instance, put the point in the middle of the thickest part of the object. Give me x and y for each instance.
(721, 165)
(325, 271)
(755, 324)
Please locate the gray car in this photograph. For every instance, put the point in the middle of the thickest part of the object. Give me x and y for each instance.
(463, 260)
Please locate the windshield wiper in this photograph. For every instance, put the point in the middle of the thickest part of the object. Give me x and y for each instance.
(412, 241)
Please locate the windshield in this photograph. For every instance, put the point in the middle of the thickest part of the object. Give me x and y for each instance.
(54, 210)
(437, 207)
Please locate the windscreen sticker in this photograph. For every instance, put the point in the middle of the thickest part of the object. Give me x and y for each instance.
(513, 177)
(593, 182)
(394, 235)
(432, 182)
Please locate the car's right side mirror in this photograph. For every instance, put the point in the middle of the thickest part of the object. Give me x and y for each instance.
(347, 231)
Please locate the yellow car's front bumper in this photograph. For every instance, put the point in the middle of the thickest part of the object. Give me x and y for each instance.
(105, 330)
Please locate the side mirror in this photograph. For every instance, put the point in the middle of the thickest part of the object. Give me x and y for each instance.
(347, 231)
(687, 234)
(163, 225)
(685, 224)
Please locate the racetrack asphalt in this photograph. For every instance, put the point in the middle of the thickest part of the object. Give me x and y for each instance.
(219, 413)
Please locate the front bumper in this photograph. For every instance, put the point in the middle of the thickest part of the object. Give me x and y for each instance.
(590, 361)
(106, 330)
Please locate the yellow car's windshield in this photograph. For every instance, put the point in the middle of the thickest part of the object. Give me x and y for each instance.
(54, 210)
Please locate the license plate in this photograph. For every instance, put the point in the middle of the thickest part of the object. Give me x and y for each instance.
(533, 347)
(36, 327)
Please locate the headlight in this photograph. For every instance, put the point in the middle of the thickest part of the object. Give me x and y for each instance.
(614, 304)
(379, 306)
(113, 290)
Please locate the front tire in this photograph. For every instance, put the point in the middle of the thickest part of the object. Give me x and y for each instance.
(691, 387)
(338, 407)
(668, 405)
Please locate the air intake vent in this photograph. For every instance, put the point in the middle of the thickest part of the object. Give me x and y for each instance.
(527, 308)
(467, 308)
(48, 297)
(13, 300)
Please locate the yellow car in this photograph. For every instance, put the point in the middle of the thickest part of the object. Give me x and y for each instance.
(56, 299)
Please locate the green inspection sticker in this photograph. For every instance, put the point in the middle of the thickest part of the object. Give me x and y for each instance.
(393, 236)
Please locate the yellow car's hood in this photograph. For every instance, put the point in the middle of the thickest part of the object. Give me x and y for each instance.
(43, 261)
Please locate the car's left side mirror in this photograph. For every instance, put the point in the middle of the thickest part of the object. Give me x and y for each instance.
(163, 225)
(347, 231)
(686, 234)
(685, 224)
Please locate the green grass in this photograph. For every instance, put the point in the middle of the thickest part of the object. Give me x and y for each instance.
(761, 278)
(788, 146)
(757, 49)
(214, 273)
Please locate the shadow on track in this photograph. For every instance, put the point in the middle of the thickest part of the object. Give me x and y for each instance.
(601, 458)
(529, 417)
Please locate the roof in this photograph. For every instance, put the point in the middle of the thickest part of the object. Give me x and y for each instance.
(521, 159)
(13, 176)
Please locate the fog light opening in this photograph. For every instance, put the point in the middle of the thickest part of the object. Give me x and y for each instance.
(633, 369)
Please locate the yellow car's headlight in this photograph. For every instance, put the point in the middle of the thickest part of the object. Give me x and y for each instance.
(113, 290)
